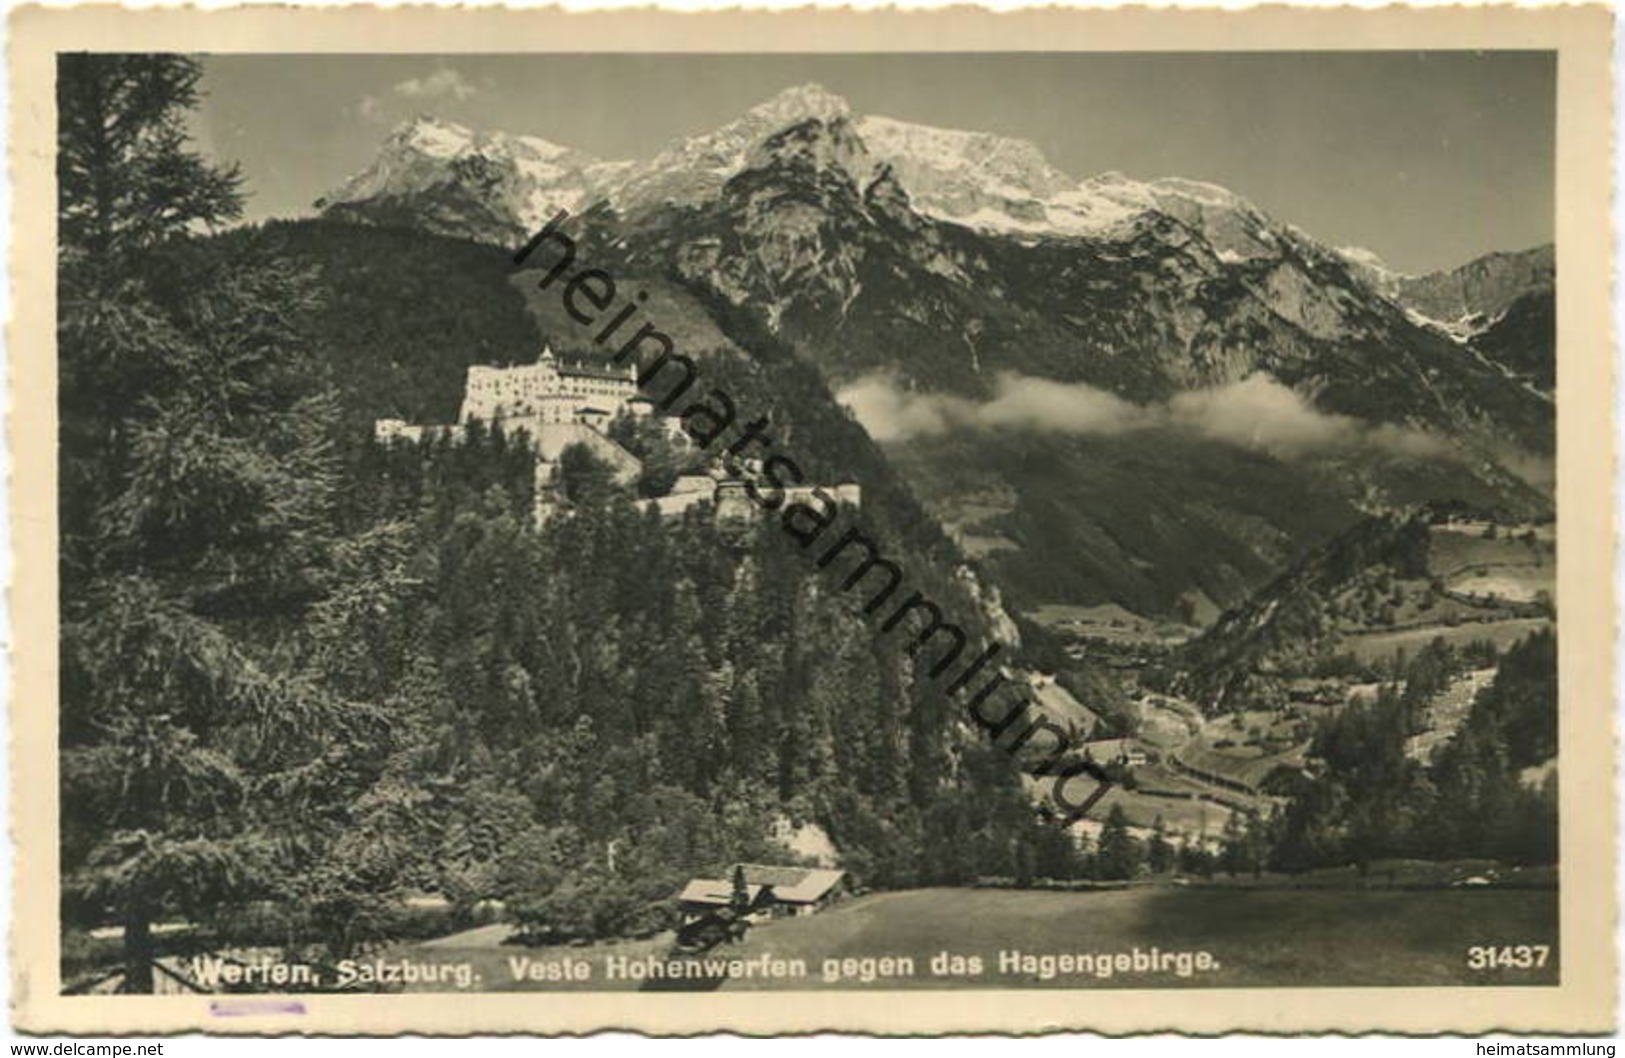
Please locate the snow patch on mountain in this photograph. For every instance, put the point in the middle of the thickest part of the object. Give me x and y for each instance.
(798, 104)
(530, 178)
(694, 169)
(437, 139)
(989, 182)
(1368, 259)
(1005, 185)
(993, 183)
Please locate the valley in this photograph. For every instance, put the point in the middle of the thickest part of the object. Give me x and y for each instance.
(1294, 662)
(1180, 438)
(1183, 479)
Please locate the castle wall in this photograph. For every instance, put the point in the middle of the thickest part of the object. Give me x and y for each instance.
(557, 405)
(675, 503)
(387, 430)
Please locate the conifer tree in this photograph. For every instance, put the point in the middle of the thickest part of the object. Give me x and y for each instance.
(1160, 854)
(1120, 852)
(201, 761)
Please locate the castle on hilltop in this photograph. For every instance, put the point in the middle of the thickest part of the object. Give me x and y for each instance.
(549, 392)
(557, 404)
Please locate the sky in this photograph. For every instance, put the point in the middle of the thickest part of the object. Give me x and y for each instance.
(1428, 159)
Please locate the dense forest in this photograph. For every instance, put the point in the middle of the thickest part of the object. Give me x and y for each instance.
(304, 675)
(1475, 798)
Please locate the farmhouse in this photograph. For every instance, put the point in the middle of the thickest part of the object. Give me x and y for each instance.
(771, 890)
(704, 895)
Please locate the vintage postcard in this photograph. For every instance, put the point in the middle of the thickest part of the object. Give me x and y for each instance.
(777, 522)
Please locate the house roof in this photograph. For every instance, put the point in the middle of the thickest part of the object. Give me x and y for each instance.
(793, 885)
(714, 891)
(787, 885)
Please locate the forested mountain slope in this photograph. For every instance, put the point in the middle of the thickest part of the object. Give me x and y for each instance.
(964, 296)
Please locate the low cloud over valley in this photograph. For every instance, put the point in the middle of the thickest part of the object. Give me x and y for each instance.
(1257, 413)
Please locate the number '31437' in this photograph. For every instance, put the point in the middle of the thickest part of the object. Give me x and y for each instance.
(1508, 957)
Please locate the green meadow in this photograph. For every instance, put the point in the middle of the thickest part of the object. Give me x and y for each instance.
(1256, 935)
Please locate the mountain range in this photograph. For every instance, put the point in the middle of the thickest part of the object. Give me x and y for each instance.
(1483, 288)
(1144, 392)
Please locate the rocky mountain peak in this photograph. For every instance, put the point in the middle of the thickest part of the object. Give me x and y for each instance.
(974, 178)
(486, 185)
(1366, 260)
(982, 180)
(496, 185)
(797, 104)
(693, 170)
(1464, 298)
(431, 135)
(818, 144)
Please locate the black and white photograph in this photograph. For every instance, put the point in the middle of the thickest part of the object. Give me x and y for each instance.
(904, 523)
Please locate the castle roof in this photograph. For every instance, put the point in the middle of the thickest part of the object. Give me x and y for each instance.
(603, 373)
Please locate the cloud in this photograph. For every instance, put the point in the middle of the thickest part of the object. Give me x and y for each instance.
(444, 83)
(1258, 412)
(1255, 413)
(1020, 402)
(1029, 403)
(893, 414)
(1404, 441)
(441, 85)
